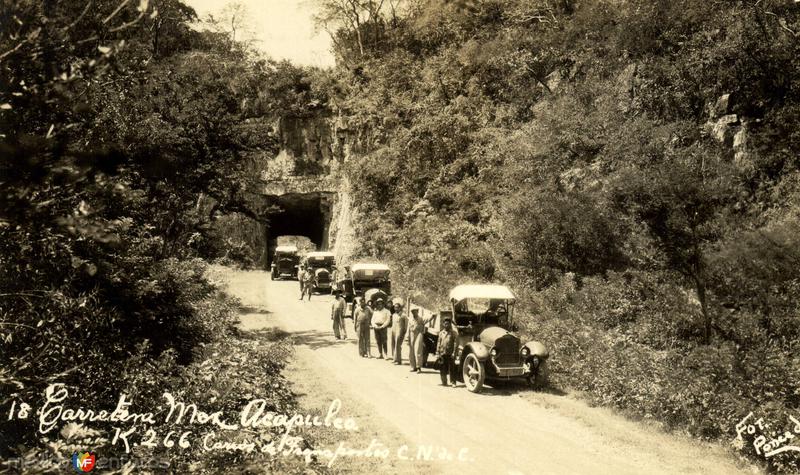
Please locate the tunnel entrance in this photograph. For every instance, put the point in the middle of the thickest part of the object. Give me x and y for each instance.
(302, 214)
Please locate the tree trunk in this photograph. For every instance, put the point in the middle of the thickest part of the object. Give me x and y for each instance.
(700, 288)
(360, 41)
(156, 37)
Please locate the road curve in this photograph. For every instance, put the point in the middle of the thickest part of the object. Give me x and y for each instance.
(509, 430)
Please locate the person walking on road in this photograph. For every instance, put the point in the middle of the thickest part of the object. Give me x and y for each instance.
(399, 327)
(338, 309)
(301, 279)
(335, 279)
(380, 321)
(307, 285)
(446, 351)
(362, 320)
(416, 344)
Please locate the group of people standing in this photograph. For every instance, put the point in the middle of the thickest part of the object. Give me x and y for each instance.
(391, 327)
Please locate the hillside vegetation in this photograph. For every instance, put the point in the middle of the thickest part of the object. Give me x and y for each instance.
(629, 167)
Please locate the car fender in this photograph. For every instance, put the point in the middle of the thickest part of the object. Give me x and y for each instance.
(537, 349)
(477, 348)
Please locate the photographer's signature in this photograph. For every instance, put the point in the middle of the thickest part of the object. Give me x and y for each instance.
(777, 442)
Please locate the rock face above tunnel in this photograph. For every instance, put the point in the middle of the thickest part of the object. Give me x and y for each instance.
(308, 146)
(304, 179)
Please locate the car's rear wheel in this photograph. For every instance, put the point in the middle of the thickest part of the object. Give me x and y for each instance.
(474, 373)
(425, 353)
(538, 379)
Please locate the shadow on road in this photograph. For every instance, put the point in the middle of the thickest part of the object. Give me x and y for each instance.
(508, 388)
(502, 387)
(316, 339)
(264, 334)
(249, 309)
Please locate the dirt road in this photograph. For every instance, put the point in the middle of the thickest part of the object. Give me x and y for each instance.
(509, 430)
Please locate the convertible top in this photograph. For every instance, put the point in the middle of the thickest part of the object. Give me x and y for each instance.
(286, 249)
(320, 254)
(360, 267)
(491, 291)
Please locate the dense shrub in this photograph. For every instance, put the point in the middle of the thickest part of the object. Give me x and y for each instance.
(227, 374)
(558, 233)
(118, 125)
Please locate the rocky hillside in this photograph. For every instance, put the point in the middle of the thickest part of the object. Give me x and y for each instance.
(630, 168)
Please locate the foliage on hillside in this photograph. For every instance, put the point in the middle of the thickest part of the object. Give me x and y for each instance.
(629, 167)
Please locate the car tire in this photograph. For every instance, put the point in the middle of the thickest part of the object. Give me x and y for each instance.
(424, 362)
(474, 373)
(539, 378)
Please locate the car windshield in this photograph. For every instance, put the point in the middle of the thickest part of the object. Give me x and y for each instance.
(320, 262)
(371, 274)
(491, 311)
(480, 306)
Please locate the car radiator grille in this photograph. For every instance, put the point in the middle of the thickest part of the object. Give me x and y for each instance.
(508, 359)
(507, 351)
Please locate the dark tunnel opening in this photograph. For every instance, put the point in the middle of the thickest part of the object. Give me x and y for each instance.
(302, 214)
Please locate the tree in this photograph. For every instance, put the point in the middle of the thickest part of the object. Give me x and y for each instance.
(107, 144)
(169, 24)
(234, 21)
(552, 233)
(682, 199)
(361, 22)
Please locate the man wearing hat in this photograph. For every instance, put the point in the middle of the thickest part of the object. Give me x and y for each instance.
(446, 351)
(381, 318)
(362, 321)
(338, 309)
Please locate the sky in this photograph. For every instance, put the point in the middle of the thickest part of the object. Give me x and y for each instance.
(283, 29)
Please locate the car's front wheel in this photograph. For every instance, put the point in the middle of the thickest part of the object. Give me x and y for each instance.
(539, 376)
(474, 373)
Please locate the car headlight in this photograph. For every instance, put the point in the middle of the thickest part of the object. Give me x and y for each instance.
(525, 351)
(494, 352)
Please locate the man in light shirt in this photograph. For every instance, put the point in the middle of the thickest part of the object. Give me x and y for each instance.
(338, 309)
(308, 283)
(381, 318)
(335, 279)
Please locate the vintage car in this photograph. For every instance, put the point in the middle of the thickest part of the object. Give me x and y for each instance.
(487, 348)
(285, 263)
(321, 264)
(363, 277)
